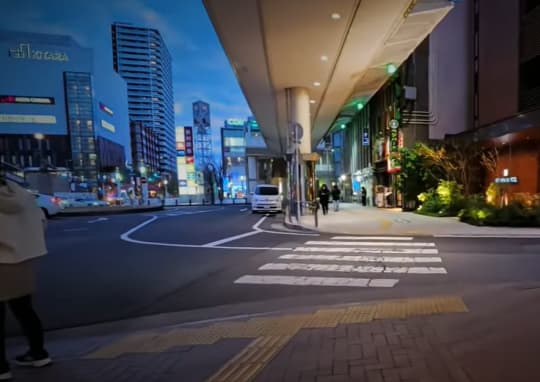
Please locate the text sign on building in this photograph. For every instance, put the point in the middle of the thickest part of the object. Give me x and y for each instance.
(27, 99)
(365, 138)
(25, 52)
(507, 180)
(20, 118)
(393, 165)
(188, 140)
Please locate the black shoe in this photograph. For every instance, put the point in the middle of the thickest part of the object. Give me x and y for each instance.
(5, 374)
(33, 359)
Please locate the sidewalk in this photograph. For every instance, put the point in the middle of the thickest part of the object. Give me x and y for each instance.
(438, 339)
(354, 219)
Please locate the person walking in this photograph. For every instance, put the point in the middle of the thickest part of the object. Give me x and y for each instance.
(364, 196)
(336, 195)
(22, 240)
(324, 198)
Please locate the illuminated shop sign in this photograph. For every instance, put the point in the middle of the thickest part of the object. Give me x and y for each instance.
(22, 118)
(235, 122)
(507, 180)
(106, 109)
(108, 126)
(26, 99)
(25, 52)
(188, 141)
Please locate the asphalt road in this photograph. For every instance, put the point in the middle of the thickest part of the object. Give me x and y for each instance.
(102, 269)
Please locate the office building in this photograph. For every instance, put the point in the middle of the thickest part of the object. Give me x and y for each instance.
(56, 112)
(141, 57)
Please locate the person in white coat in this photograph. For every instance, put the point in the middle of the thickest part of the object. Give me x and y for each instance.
(22, 240)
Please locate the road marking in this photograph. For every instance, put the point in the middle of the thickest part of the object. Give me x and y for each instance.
(231, 238)
(243, 210)
(75, 229)
(126, 237)
(370, 243)
(390, 238)
(349, 268)
(98, 220)
(490, 236)
(419, 251)
(316, 281)
(368, 259)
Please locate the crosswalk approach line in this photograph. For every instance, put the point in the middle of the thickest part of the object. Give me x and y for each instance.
(350, 268)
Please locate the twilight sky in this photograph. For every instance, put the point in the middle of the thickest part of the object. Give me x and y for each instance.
(200, 67)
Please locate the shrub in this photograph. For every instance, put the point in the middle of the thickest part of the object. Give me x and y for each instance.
(515, 214)
(446, 200)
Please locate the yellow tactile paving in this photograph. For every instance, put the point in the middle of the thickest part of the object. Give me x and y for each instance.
(276, 328)
(249, 362)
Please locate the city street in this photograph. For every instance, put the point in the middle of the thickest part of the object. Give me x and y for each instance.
(221, 261)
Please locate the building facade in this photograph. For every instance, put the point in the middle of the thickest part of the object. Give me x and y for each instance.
(141, 57)
(55, 111)
(233, 143)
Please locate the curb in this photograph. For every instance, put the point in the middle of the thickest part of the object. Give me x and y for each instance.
(298, 227)
(110, 211)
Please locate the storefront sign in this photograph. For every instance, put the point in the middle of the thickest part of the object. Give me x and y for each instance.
(188, 139)
(507, 180)
(393, 165)
(365, 138)
(25, 52)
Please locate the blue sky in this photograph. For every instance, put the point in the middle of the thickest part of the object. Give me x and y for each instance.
(200, 67)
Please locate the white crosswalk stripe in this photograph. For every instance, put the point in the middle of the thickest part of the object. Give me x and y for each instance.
(383, 255)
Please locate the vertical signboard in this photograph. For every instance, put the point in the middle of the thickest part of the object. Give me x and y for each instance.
(393, 157)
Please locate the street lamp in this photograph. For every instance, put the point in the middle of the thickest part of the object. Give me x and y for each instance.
(165, 183)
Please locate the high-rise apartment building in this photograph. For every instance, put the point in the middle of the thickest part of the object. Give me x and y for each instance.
(141, 57)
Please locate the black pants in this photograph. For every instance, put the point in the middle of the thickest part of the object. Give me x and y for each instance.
(324, 206)
(26, 316)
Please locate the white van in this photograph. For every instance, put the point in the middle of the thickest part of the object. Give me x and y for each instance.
(266, 198)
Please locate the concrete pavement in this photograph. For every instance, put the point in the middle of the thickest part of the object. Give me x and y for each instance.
(354, 219)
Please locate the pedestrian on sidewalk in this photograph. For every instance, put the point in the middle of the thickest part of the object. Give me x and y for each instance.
(336, 195)
(364, 196)
(324, 198)
(22, 241)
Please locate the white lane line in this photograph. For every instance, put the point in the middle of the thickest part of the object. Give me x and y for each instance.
(390, 238)
(231, 238)
(349, 268)
(98, 220)
(370, 243)
(388, 251)
(126, 237)
(367, 259)
(316, 281)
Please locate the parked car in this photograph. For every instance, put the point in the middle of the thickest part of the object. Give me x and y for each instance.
(50, 205)
(266, 198)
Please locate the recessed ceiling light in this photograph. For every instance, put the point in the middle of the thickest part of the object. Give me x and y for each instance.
(316, 83)
(336, 16)
(312, 101)
(324, 58)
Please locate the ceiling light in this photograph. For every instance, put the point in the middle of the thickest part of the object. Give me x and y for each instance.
(316, 83)
(312, 101)
(343, 126)
(324, 58)
(335, 16)
(391, 68)
(359, 106)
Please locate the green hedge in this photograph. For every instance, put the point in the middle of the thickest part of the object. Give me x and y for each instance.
(515, 214)
(445, 200)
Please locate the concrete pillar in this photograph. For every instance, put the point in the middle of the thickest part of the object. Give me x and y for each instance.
(299, 112)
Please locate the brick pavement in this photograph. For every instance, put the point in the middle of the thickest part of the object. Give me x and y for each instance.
(400, 341)
(406, 350)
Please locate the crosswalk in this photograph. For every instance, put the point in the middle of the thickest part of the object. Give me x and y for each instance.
(366, 261)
